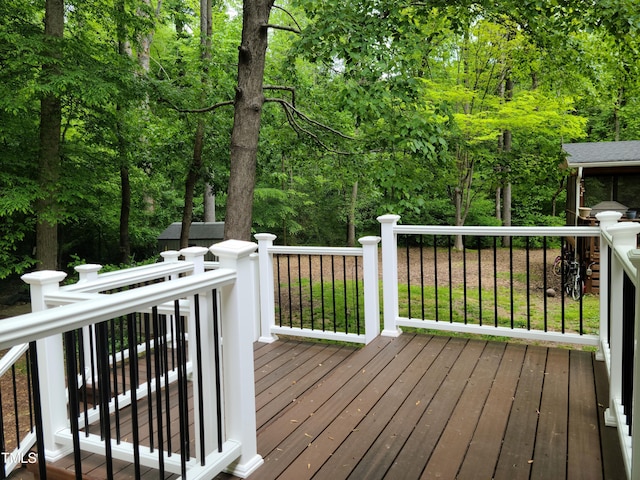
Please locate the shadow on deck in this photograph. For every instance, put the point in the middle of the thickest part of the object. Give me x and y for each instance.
(421, 406)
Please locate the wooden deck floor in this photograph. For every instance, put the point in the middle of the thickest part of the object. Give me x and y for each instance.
(421, 406)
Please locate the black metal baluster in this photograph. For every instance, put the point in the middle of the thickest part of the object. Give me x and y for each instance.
(279, 291)
(479, 246)
(357, 282)
(134, 381)
(545, 285)
(218, 367)
(450, 281)
(182, 383)
(158, 384)
(83, 369)
(511, 281)
(72, 384)
(104, 387)
(200, 399)
(421, 250)
(435, 274)
(322, 292)
(289, 291)
(464, 277)
(408, 263)
(495, 281)
(311, 292)
(37, 410)
(528, 283)
(344, 292)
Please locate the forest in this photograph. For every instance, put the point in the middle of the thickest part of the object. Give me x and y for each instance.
(302, 118)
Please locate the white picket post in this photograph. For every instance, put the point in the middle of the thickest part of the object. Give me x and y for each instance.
(196, 256)
(267, 292)
(88, 273)
(236, 313)
(255, 296)
(389, 274)
(51, 370)
(606, 219)
(371, 290)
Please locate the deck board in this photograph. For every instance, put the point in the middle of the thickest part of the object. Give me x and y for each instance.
(422, 406)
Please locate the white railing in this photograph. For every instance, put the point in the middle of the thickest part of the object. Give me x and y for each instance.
(269, 328)
(620, 334)
(58, 310)
(393, 321)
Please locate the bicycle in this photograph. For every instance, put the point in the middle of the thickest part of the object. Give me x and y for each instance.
(561, 263)
(573, 283)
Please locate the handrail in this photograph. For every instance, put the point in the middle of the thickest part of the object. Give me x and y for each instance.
(198, 299)
(33, 326)
(497, 231)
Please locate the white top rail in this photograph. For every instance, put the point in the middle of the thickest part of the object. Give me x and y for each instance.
(33, 326)
(338, 251)
(498, 231)
(123, 278)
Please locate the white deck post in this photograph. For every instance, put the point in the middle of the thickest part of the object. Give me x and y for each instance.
(196, 256)
(389, 274)
(88, 273)
(624, 236)
(606, 219)
(236, 318)
(634, 256)
(267, 292)
(371, 292)
(51, 370)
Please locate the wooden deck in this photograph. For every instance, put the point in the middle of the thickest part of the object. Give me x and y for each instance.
(421, 406)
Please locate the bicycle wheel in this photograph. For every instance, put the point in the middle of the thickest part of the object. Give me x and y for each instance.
(576, 289)
(557, 266)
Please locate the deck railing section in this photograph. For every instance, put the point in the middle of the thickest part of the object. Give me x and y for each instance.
(482, 288)
(197, 305)
(620, 331)
(319, 292)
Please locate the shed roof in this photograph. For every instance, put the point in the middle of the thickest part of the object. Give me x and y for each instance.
(602, 154)
(198, 231)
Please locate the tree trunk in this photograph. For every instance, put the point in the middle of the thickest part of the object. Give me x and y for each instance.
(49, 155)
(209, 201)
(195, 168)
(351, 220)
(125, 211)
(246, 122)
(190, 185)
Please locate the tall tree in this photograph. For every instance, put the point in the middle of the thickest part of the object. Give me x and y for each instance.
(50, 130)
(246, 122)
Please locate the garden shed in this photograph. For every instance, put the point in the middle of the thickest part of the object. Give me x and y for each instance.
(604, 176)
(201, 234)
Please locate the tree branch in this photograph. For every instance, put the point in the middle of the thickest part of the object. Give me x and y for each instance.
(289, 15)
(282, 87)
(290, 110)
(282, 27)
(210, 108)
